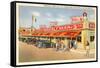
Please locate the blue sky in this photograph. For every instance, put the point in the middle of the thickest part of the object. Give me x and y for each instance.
(45, 15)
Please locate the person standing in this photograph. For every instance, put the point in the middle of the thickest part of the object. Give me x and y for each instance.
(62, 45)
(68, 45)
(57, 44)
(87, 48)
(72, 43)
(75, 44)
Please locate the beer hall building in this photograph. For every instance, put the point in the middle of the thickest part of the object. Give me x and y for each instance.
(81, 32)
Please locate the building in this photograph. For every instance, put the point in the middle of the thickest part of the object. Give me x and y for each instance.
(81, 32)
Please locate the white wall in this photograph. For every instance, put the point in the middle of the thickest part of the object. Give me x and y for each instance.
(5, 34)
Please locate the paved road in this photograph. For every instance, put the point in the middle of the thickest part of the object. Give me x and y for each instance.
(28, 53)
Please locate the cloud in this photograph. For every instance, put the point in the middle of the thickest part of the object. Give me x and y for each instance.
(61, 16)
(92, 17)
(25, 22)
(51, 19)
(48, 15)
(36, 14)
(63, 21)
(60, 20)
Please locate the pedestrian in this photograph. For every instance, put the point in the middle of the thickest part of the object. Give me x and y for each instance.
(87, 48)
(68, 45)
(71, 43)
(58, 44)
(39, 44)
(75, 44)
(62, 45)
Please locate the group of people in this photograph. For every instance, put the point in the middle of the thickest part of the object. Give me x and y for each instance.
(69, 45)
(60, 45)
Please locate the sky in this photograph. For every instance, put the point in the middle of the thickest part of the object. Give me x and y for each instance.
(45, 15)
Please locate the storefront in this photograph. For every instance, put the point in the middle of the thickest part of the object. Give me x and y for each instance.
(81, 32)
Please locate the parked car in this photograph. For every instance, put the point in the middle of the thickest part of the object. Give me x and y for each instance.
(31, 41)
(43, 44)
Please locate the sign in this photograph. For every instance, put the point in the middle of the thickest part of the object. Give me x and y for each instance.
(68, 27)
(91, 25)
(65, 27)
(53, 23)
(76, 19)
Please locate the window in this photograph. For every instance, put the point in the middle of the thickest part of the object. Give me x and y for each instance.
(79, 38)
(68, 38)
(73, 38)
(62, 38)
(91, 38)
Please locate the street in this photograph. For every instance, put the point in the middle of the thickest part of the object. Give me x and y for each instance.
(29, 53)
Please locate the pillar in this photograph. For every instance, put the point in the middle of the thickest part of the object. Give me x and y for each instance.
(85, 30)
